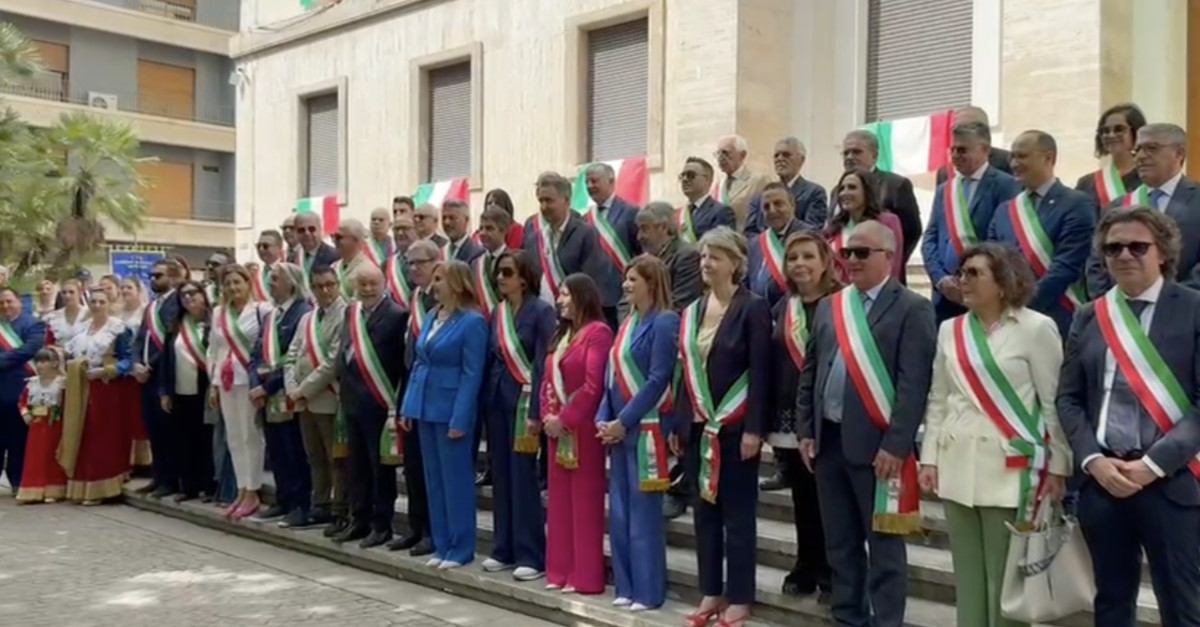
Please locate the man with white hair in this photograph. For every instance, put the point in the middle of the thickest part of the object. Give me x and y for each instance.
(613, 218)
(812, 209)
(740, 185)
(351, 240)
(380, 245)
(311, 251)
(425, 224)
(658, 235)
(456, 223)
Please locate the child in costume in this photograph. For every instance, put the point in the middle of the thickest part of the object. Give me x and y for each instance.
(43, 478)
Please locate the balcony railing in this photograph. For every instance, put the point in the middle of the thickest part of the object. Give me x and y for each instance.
(224, 15)
(157, 102)
(185, 11)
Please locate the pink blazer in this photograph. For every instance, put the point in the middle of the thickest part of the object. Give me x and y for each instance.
(888, 218)
(583, 369)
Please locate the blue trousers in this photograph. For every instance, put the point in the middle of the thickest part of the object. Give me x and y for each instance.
(13, 433)
(289, 463)
(520, 533)
(636, 529)
(160, 429)
(223, 462)
(726, 531)
(450, 480)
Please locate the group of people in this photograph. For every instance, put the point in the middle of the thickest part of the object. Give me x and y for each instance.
(593, 348)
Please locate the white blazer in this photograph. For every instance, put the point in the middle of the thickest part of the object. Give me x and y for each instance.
(219, 349)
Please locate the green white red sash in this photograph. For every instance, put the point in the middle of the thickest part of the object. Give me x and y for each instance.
(624, 372)
(154, 323)
(485, 289)
(193, 341)
(610, 240)
(10, 340)
(771, 247)
(259, 281)
(280, 402)
(417, 313)
(1138, 197)
(239, 344)
(1151, 380)
(715, 415)
(1109, 185)
(377, 251)
(552, 272)
(1024, 430)
(687, 229)
(520, 368)
(958, 215)
(342, 270)
(213, 292)
(897, 500)
(795, 330)
(373, 374)
(1038, 248)
(565, 455)
(398, 284)
(315, 343)
(842, 239)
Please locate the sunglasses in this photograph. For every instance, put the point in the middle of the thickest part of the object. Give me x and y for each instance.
(506, 273)
(156, 275)
(1137, 249)
(262, 245)
(306, 229)
(687, 176)
(860, 252)
(337, 237)
(969, 273)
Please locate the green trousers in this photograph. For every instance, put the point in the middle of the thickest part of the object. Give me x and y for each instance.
(979, 547)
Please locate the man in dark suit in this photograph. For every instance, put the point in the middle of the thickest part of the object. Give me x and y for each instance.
(860, 149)
(1159, 154)
(1129, 402)
(285, 445)
(311, 249)
(613, 219)
(848, 442)
(703, 212)
(147, 351)
(371, 372)
(1063, 215)
(810, 198)
(962, 213)
(766, 277)
(425, 224)
(997, 158)
(21, 337)
(658, 235)
(564, 243)
(456, 222)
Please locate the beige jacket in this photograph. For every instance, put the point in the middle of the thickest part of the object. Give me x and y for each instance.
(346, 274)
(738, 189)
(962, 441)
(317, 385)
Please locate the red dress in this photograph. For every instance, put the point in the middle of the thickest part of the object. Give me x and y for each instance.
(100, 432)
(131, 403)
(43, 477)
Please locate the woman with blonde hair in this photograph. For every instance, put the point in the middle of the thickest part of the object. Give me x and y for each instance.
(68, 321)
(45, 299)
(130, 309)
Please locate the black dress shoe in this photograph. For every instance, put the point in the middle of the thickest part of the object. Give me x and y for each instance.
(775, 482)
(799, 583)
(483, 478)
(147, 489)
(296, 519)
(319, 518)
(351, 533)
(403, 543)
(422, 548)
(274, 511)
(674, 507)
(336, 526)
(162, 491)
(184, 497)
(378, 537)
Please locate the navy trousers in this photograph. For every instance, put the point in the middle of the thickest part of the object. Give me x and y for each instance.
(13, 433)
(414, 485)
(289, 463)
(450, 477)
(372, 484)
(164, 462)
(726, 531)
(636, 528)
(520, 520)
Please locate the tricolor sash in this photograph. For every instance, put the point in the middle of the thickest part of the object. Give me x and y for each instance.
(897, 500)
(552, 272)
(239, 344)
(376, 378)
(1037, 247)
(417, 313)
(342, 270)
(715, 415)
(1138, 197)
(213, 292)
(398, 285)
(155, 327)
(193, 341)
(377, 251)
(1151, 380)
(485, 289)
(610, 240)
(566, 455)
(315, 343)
(1024, 430)
(520, 368)
(280, 402)
(259, 281)
(795, 330)
(958, 215)
(687, 229)
(10, 340)
(771, 247)
(1109, 185)
(842, 239)
(627, 376)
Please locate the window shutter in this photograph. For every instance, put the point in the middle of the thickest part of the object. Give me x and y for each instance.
(918, 57)
(618, 90)
(166, 90)
(169, 187)
(323, 138)
(450, 122)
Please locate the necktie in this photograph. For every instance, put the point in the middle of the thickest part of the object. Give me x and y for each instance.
(1122, 431)
(320, 315)
(968, 184)
(1156, 197)
(1035, 199)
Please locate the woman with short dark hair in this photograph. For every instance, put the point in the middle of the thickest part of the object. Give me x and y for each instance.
(1116, 135)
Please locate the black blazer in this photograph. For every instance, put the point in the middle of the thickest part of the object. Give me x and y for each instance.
(896, 195)
(811, 207)
(787, 375)
(683, 266)
(386, 329)
(579, 251)
(710, 214)
(166, 365)
(998, 158)
(324, 256)
(742, 339)
(168, 314)
(272, 382)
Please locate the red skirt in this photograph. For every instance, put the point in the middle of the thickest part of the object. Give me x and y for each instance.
(103, 461)
(131, 411)
(43, 477)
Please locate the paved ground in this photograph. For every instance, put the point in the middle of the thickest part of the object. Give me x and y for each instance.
(114, 566)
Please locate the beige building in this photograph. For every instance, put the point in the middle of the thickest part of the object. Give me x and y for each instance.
(367, 100)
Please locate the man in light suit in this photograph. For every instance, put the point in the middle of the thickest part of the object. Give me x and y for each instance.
(740, 185)
(351, 240)
(618, 213)
(456, 222)
(658, 235)
(1135, 445)
(311, 250)
(840, 441)
(983, 188)
(810, 198)
(860, 149)
(381, 245)
(702, 212)
(309, 382)
(23, 336)
(997, 158)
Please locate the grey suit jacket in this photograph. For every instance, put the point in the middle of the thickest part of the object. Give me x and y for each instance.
(902, 323)
(316, 384)
(683, 266)
(579, 251)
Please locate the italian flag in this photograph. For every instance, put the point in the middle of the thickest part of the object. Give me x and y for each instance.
(913, 145)
(441, 191)
(631, 183)
(324, 206)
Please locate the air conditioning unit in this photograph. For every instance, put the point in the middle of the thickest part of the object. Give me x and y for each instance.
(102, 101)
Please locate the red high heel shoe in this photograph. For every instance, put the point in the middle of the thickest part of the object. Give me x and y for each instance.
(737, 622)
(702, 619)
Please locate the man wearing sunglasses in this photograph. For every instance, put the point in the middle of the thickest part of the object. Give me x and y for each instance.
(148, 348)
(425, 224)
(1127, 400)
(288, 229)
(351, 241)
(1051, 224)
(311, 249)
(997, 158)
(212, 276)
(702, 212)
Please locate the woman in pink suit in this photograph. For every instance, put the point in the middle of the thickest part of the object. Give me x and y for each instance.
(571, 393)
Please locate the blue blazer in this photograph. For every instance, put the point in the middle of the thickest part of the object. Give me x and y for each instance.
(272, 381)
(759, 278)
(535, 322)
(711, 214)
(447, 374)
(469, 251)
(579, 251)
(166, 378)
(812, 208)
(168, 312)
(1069, 221)
(655, 350)
(12, 362)
(941, 260)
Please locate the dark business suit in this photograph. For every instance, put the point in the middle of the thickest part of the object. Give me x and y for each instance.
(578, 250)
(707, 216)
(13, 373)
(1088, 185)
(902, 323)
(683, 266)
(937, 250)
(1069, 222)
(726, 531)
(372, 484)
(322, 257)
(468, 251)
(621, 215)
(896, 195)
(998, 158)
(811, 207)
(520, 537)
(414, 462)
(289, 462)
(1162, 519)
(760, 278)
(148, 350)
(194, 463)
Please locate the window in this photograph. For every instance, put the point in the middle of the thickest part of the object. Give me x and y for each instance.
(323, 176)
(166, 90)
(618, 86)
(918, 57)
(168, 190)
(449, 130)
(51, 83)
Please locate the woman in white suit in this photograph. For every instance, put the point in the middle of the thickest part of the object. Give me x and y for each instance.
(993, 448)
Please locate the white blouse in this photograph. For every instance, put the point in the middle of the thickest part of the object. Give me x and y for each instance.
(132, 319)
(64, 331)
(94, 346)
(187, 373)
(43, 394)
(219, 349)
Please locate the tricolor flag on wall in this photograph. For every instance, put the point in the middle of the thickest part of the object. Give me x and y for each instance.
(913, 145)
(441, 191)
(324, 206)
(631, 184)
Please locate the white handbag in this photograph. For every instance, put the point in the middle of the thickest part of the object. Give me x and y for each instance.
(1048, 574)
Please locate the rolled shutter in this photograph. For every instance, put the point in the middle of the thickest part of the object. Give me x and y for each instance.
(169, 188)
(450, 122)
(166, 90)
(323, 138)
(618, 90)
(918, 57)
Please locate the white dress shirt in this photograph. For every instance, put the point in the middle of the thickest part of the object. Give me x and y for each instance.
(187, 373)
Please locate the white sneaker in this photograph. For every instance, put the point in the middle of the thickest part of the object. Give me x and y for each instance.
(553, 586)
(622, 601)
(448, 564)
(638, 607)
(568, 590)
(494, 565)
(525, 573)
(434, 562)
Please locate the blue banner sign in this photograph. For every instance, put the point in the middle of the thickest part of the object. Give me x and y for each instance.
(133, 263)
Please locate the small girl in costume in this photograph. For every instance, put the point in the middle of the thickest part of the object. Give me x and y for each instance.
(43, 478)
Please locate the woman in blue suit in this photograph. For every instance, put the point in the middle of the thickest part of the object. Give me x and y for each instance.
(635, 403)
(442, 394)
(521, 334)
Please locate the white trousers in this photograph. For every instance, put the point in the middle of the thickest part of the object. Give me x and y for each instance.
(244, 436)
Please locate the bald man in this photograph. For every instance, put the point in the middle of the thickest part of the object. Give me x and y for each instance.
(380, 246)
(998, 158)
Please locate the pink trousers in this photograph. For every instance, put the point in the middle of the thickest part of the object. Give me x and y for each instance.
(575, 517)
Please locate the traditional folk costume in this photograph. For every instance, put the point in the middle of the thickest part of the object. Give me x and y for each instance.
(139, 454)
(43, 477)
(95, 446)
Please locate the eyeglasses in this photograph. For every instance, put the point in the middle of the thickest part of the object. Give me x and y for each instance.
(337, 237)
(418, 262)
(1113, 250)
(262, 245)
(1116, 129)
(506, 273)
(156, 275)
(687, 175)
(969, 273)
(324, 285)
(860, 252)
(306, 229)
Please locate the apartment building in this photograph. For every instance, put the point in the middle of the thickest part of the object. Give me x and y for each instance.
(164, 67)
